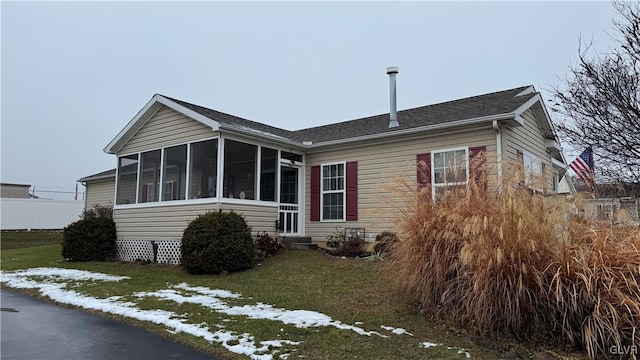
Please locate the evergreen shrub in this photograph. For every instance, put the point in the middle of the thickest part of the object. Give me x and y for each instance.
(216, 242)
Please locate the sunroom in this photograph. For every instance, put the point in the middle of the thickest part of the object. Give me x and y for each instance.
(212, 171)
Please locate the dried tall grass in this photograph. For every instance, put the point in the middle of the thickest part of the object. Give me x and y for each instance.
(593, 290)
(494, 262)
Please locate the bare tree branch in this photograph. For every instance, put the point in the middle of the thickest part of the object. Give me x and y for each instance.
(600, 102)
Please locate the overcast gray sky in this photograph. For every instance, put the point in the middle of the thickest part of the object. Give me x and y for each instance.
(74, 73)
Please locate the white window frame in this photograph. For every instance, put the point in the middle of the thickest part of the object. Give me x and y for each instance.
(160, 202)
(219, 177)
(528, 160)
(140, 178)
(434, 185)
(343, 191)
(164, 170)
(117, 179)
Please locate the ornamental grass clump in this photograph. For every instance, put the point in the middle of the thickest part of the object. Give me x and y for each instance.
(477, 257)
(511, 262)
(593, 294)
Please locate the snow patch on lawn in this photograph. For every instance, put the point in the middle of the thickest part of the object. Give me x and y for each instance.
(58, 273)
(211, 299)
(428, 344)
(50, 282)
(397, 331)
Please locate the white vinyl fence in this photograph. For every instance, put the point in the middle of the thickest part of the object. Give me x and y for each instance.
(38, 214)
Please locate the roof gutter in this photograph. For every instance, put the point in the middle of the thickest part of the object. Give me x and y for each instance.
(91, 178)
(496, 127)
(472, 121)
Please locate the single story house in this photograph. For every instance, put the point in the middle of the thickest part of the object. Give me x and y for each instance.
(176, 160)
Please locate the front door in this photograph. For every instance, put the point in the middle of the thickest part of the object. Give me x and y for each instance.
(289, 200)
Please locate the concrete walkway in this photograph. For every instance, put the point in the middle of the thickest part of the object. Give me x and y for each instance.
(33, 329)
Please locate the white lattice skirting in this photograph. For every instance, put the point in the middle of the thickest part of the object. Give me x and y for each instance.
(167, 251)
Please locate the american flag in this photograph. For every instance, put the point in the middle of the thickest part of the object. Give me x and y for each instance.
(583, 167)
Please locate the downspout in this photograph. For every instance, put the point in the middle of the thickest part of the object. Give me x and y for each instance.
(84, 195)
(498, 152)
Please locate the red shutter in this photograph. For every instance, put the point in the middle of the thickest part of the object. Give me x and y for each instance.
(352, 191)
(477, 166)
(521, 171)
(315, 194)
(423, 169)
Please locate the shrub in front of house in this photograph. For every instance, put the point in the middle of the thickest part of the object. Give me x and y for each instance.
(352, 247)
(266, 246)
(216, 242)
(89, 239)
(98, 211)
(341, 245)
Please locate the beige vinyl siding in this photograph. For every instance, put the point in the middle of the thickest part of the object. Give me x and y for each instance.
(530, 138)
(259, 218)
(100, 192)
(379, 166)
(168, 222)
(166, 128)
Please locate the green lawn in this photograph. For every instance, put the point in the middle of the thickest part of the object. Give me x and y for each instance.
(24, 239)
(350, 291)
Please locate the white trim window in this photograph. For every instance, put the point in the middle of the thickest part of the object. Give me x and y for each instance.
(332, 199)
(127, 179)
(203, 169)
(449, 170)
(532, 171)
(150, 168)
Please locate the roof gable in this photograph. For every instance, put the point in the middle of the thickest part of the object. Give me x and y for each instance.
(141, 118)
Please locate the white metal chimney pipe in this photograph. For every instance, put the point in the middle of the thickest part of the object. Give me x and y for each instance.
(393, 114)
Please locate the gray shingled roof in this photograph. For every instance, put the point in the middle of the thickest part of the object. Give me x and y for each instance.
(501, 102)
(478, 106)
(100, 175)
(234, 120)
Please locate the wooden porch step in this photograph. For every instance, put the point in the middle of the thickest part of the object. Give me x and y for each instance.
(299, 243)
(303, 246)
(296, 239)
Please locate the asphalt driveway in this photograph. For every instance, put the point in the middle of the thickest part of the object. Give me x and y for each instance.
(33, 329)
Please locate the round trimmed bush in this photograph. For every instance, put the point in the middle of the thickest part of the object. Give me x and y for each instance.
(90, 239)
(216, 242)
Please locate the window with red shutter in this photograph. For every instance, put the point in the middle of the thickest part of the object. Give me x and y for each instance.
(334, 192)
(449, 168)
